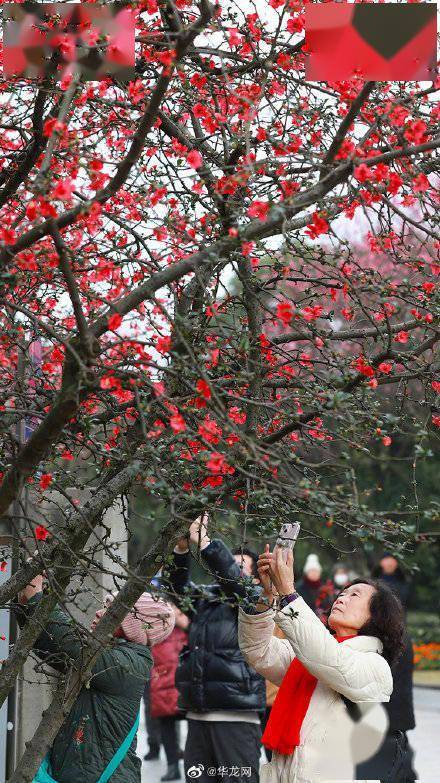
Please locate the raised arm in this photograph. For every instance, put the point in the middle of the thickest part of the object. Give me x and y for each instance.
(176, 578)
(59, 643)
(177, 575)
(268, 655)
(220, 562)
(61, 646)
(358, 675)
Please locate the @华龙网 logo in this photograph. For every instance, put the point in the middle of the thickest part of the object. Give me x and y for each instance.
(195, 771)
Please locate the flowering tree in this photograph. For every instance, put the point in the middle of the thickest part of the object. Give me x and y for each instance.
(127, 210)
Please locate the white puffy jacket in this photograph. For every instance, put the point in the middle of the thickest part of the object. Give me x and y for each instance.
(331, 743)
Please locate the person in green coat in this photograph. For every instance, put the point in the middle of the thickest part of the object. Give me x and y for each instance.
(105, 714)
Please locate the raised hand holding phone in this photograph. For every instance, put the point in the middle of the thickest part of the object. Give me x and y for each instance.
(287, 537)
(263, 567)
(276, 572)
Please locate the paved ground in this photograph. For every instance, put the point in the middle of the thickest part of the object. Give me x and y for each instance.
(424, 739)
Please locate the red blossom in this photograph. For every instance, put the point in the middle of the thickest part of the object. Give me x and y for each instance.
(167, 57)
(53, 126)
(258, 209)
(63, 190)
(41, 533)
(194, 159)
(415, 132)
(8, 236)
(32, 210)
(45, 480)
(401, 337)
(234, 37)
(362, 366)
(217, 464)
(114, 321)
(305, 359)
(420, 184)
(212, 481)
(312, 313)
(385, 367)
(362, 173)
(247, 248)
(203, 388)
(318, 226)
(163, 344)
(177, 422)
(236, 415)
(284, 312)
(109, 382)
(210, 431)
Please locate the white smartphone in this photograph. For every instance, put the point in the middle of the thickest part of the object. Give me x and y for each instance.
(287, 537)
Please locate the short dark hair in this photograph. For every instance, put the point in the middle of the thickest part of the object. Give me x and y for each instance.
(244, 550)
(387, 618)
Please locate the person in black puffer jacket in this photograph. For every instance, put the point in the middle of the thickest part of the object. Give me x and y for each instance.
(222, 695)
(400, 708)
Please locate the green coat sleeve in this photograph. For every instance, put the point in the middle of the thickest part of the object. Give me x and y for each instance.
(61, 646)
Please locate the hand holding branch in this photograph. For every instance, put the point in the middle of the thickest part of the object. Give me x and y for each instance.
(34, 587)
(198, 531)
(197, 534)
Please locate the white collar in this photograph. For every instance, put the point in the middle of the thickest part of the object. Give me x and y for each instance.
(365, 643)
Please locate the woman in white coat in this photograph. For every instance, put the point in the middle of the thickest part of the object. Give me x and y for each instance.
(327, 716)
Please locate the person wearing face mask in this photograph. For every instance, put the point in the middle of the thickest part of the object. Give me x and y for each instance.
(330, 590)
(328, 714)
(341, 576)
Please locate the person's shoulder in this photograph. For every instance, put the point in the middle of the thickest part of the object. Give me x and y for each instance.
(376, 660)
(136, 657)
(385, 674)
(379, 670)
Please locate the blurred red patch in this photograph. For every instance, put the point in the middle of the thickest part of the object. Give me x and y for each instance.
(386, 42)
(98, 40)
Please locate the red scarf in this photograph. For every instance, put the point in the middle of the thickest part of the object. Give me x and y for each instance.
(290, 706)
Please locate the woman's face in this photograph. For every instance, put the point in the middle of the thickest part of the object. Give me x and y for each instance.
(108, 599)
(351, 610)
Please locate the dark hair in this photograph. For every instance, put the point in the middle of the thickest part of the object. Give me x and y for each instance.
(239, 550)
(387, 618)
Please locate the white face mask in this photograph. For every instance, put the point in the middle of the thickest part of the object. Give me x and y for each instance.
(340, 579)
